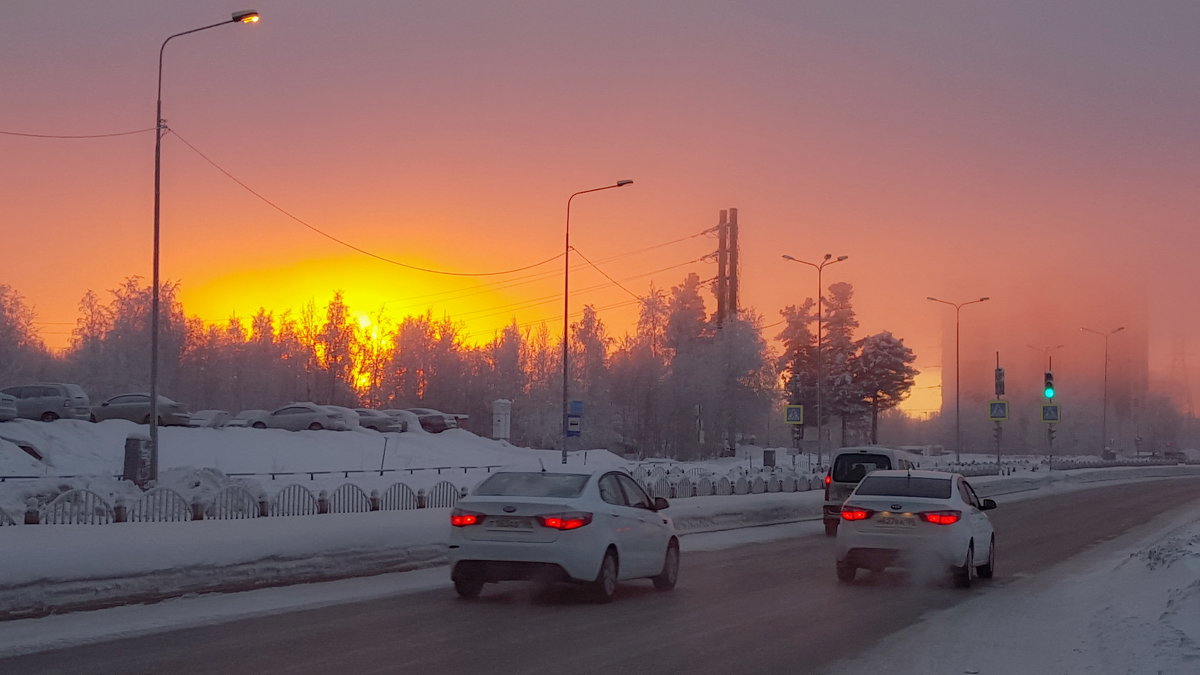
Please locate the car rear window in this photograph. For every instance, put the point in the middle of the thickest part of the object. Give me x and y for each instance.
(532, 484)
(905, 486)
(852, 468)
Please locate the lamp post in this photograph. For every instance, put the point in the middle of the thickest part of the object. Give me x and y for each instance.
(820, 267)
(1104, 391)
(248, 16)
(957, 379)
(567, 304)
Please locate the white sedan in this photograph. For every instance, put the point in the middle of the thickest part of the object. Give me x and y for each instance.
(913, 519)
(582, 525)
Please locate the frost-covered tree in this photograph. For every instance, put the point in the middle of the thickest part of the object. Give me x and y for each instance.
(884, 374)
(22, 354)
(841, 395)
(798, 362)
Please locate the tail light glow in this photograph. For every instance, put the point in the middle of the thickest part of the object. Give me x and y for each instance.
(565, 521)
(941, 517)
(461, 518)
(856, 513)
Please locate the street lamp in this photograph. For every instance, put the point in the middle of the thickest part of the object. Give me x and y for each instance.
(1104, 394)
(248, 16)
(957, 389)
(567, 304)
(820, 267)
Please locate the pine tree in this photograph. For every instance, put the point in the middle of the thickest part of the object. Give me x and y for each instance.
(885, 375)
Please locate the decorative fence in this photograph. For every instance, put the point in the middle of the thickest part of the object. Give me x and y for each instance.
(234, 502)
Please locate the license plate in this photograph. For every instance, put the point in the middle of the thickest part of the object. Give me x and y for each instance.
(897, 521)
(509, 524)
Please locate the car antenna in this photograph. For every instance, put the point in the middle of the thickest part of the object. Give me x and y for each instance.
(543, 464)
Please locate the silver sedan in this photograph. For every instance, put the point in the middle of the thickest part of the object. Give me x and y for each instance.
(298, 416)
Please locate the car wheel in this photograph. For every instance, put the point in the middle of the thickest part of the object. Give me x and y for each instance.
(666, 579)
(146, 419)
(49, 416)
(92, 418)
(846, 572)
(962, 575)
(831, 528)
(315, 426)
(259, 425)
(469, 588)
(605, 585)
(986, 570)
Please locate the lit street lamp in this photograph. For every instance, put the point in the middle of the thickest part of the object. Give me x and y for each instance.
(957, 388)
(567, 305)
(820, 267)
(248, 16)
(1104, 394)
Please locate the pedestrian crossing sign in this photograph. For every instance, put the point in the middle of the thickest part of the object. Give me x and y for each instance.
(794, 414)
(1050, 413)
(997, 410)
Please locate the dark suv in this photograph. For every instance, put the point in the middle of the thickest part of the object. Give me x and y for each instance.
(50, 401)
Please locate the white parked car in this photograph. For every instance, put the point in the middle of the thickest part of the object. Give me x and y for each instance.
(379, 421)
(247, 418)
(914, 519)
(588, 526)
(298, 416)
(8, 407)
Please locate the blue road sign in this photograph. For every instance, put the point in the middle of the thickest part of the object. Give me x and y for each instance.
(1050, 413)
(794, 414)
(997, 410)
(574, 425)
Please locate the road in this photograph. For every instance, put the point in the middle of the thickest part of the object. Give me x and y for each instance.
(761, 608)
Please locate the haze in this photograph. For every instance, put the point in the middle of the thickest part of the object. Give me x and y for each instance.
(1042, 155)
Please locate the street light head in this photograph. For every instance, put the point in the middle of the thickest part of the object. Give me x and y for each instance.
(840, 258)
(930, 297)
(828, 256)
(248, 16)
(623, 183)
(788, 257)
(984, 298)
(1119, 329)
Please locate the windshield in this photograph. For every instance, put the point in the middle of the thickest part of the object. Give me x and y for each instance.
(905, 486)
(851, 468)
(532, 484)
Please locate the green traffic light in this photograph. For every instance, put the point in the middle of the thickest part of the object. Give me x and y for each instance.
(1049, 392)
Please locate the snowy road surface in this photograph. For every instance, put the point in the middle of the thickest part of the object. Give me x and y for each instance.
(762, 607)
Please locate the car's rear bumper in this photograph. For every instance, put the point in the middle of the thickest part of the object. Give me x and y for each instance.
(499, 557)
(878, 550)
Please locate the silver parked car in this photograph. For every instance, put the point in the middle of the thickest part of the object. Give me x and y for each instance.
(136, 408)
(298, 416)
(50, 401)
(379, 420)
(8, 407)
(247, 418)
(434, 421)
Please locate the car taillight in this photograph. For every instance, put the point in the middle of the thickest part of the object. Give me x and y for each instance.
(461, 518)
(941, 517)
(565, 521)
(856, 513)
(828, 480)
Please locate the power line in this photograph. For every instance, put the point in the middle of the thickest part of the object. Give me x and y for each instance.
(77, 136)
(347, 244)
(581, 255)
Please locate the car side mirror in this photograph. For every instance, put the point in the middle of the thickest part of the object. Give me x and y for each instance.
(661, 503)
(987, 505)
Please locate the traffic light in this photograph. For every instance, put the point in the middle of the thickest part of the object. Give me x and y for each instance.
(999, 381)
(1049, 384)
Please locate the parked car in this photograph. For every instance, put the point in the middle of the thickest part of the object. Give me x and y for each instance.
(50, 401)
(593, 527)
(136, 408)
(348, 416)
(434, 421)
(379, 420)
(298, 416)
(8, 407)
(846, 469)
(247, 418)
(915, 519)
(213, 419)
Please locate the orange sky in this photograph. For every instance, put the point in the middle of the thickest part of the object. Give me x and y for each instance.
(1042, 155)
